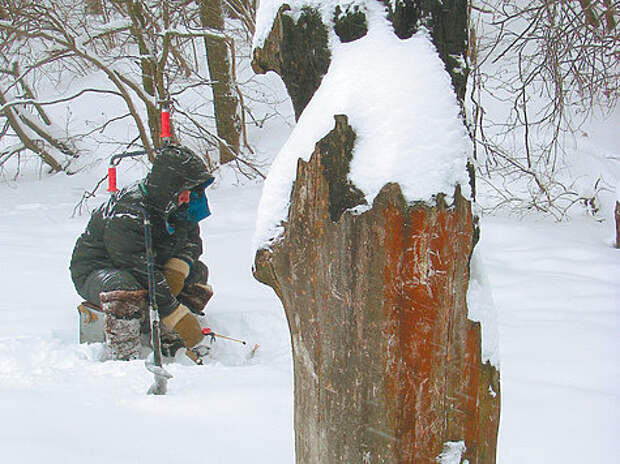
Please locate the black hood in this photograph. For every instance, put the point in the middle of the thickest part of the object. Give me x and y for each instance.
(174, 170)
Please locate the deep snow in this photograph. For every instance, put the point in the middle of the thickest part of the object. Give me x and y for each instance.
(556, 287)
(60, 404)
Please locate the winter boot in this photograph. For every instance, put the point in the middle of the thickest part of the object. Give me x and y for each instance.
(126, 311)
(196, 297)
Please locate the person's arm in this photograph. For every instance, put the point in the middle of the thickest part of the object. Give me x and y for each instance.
(124, 241)
(186, 250)
(188, 244)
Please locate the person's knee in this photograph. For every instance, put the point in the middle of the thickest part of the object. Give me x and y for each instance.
(107, 280)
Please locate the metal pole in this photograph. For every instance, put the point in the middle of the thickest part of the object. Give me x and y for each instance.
(159, 386)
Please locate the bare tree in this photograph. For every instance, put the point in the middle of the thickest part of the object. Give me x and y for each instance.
(225, 100)
(551, 63)
(148, 51)
(94, 7)
(21, 111)
(245, 12)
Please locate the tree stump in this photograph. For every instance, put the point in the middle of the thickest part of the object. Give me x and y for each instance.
(387, 365)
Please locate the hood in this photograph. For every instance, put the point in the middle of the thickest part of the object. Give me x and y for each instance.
(174, 170)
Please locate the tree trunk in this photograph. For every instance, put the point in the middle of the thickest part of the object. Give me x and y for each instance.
(447, 22)
(388, 366)
(225, 100)
(148, 67)
(297, 51)
(589, 13)
(94, 7)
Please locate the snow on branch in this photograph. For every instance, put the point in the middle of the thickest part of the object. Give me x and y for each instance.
(31, 101)
(147, 52)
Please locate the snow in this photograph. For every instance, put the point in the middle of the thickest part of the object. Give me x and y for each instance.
(400, 104)
(481, 308)
(452, 453)
(268, 9)
(61, 404)
(556, 287)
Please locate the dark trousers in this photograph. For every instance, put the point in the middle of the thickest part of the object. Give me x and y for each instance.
(107, 280)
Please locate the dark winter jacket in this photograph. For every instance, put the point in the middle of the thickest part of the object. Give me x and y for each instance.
(114, 237)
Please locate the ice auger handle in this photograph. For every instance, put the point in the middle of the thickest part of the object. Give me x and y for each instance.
(206, 331)
(114, 161)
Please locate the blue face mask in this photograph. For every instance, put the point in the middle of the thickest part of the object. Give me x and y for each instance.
(195, 211)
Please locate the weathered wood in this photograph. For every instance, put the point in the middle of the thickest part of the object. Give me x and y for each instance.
(349, 23)
(387, 365)
(298, 52)
(447, 21)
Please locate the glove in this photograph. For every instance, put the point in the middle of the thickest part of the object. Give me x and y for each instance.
(185, 324)
(196, 297)
(176, 271)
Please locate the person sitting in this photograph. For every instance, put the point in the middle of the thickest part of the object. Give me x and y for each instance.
(109, 260)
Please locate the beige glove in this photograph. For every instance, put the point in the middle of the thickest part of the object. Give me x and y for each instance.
(185, 324)
(176, 271)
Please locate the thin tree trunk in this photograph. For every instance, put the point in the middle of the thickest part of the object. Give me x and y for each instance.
(94, 7)
(28, 142)
(33, 125)
(53, 141)
(589, 13)
(610, 11)
(147, 65)
(225, 100)
(29, 94)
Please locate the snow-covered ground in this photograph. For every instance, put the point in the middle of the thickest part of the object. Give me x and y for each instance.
(58, 403)
(556, 287)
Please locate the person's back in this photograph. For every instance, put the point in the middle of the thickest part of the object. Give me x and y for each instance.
(91, 250)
